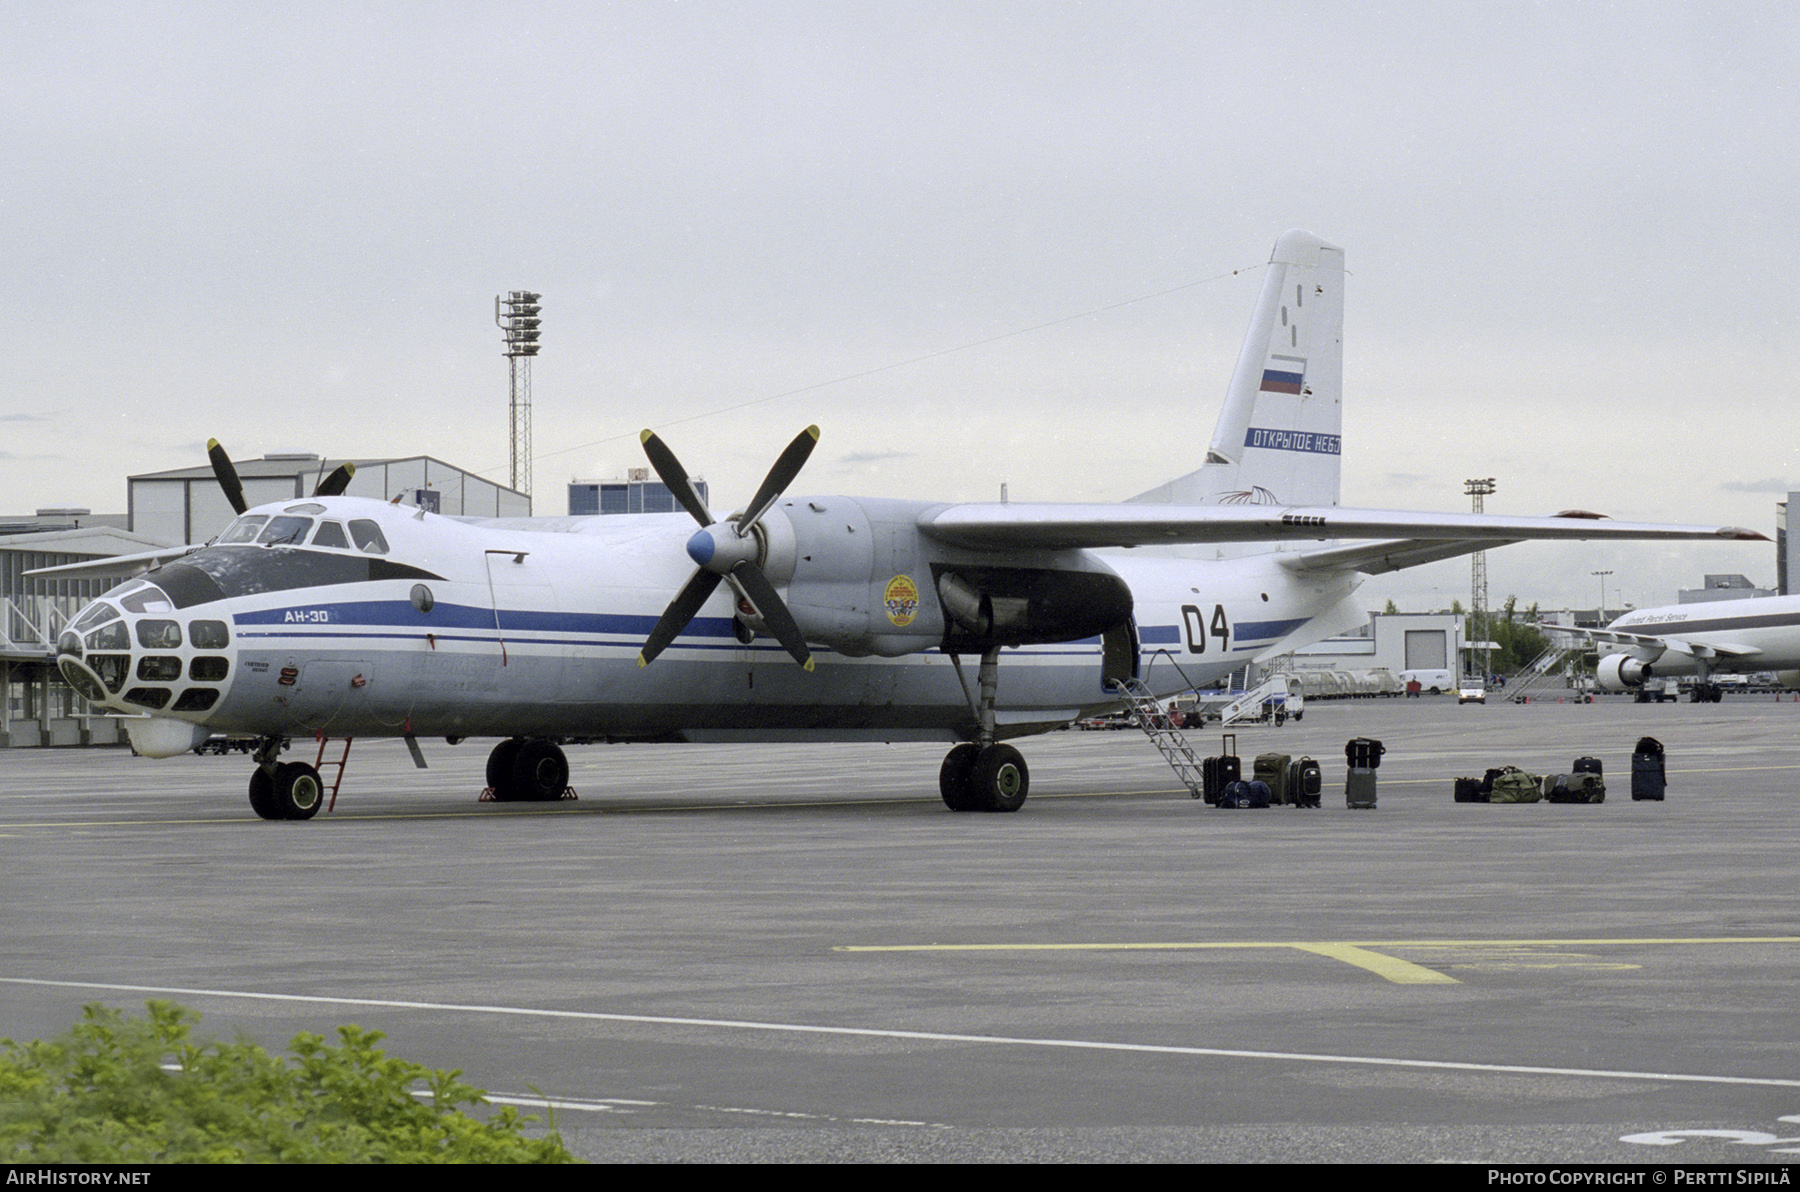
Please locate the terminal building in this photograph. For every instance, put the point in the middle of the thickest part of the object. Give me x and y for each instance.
(637, 493)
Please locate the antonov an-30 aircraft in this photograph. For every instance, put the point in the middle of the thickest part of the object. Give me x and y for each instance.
(1703, 640)
(796, 618)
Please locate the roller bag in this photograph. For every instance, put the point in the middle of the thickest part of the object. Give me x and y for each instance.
(1217, 773)
(1359, 787)
(1306, 782)
(1582, 787)
(1272, 769)
(1513, 785)
(1588, 765)
(1648, 778)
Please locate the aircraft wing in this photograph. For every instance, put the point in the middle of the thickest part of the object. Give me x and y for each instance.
(1657, 643)
(1074, 527)
(1379, 558)
(123, 566)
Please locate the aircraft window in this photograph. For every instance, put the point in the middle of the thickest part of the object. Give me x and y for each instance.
(196, 699)
(208, 669)
(244, 529)
(330, 533)
(96, 615)
(79, 680)
(159, 635)
(69, 643)
(110, 668)
(308, 507)
(285, 531)
(422, 598)
(147, 599)
(159, 668)
(148, 697)
(209, 635)
(369, 539)
(110, 637)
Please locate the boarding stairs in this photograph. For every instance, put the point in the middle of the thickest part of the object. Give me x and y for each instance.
(1147, 713)
(1254, 704)
(1534, 680)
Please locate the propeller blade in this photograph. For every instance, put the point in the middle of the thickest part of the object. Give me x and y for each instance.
(335, 484)
(681, 610)
(228, 477)
(774, 612)
(780, 476)
(674, 477)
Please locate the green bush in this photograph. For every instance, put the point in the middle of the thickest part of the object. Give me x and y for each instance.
(115, 1089)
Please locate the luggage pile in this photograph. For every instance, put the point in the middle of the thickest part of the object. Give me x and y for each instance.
(1276, 779)
(1585, 782)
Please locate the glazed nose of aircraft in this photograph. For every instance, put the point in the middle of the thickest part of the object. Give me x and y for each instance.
(144, 659)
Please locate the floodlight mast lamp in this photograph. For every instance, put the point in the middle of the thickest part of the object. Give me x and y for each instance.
(517, 316)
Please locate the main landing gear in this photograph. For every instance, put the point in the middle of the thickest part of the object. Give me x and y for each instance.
(984, 775)
(527, 770)
(283, 790)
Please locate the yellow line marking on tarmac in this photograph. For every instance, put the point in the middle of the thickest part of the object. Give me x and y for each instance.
(1365, 954)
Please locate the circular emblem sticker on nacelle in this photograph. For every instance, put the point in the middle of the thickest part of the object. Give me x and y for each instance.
(901, 600)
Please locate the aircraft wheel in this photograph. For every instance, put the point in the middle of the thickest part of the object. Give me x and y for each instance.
(955, 774)
(999, 780)
(298, 791)
(500, 768)
(262, 794)
(540, 771)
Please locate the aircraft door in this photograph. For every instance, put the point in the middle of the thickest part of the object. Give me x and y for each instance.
(330, 693)
(527, 626)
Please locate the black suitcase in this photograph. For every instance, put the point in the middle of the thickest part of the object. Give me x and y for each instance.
(1363, 753)
(1217, 773)
(1473, 790)
(1306, 782)
(1648, 779)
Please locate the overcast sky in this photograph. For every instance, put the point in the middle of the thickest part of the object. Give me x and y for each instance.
(1570, 230)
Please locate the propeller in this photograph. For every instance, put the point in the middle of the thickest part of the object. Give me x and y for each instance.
(331, 486)
(727, 550)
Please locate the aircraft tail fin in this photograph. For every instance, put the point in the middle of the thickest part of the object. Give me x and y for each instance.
(1278, 436)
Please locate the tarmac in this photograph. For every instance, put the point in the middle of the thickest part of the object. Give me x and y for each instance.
(796, 953)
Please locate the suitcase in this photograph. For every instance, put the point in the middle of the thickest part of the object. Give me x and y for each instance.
(1359, 787)
(1272, 768)
(1217, 773)
(1648, 779)
(1472, 790)
(1364, 753)
(1306, 782)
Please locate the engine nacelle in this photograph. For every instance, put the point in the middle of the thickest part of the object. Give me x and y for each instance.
(1622, 672)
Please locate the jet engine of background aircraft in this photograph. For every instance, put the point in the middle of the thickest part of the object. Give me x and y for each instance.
(1622, 672)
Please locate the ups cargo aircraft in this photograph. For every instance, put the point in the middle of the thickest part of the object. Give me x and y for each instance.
(1705, 639)
(797, 618)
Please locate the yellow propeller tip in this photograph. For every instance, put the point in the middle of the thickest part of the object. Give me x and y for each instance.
(643, 661)
(807, 665)
(644, 436)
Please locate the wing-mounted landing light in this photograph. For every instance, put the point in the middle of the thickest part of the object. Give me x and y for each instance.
(331, 486)
(728, 549)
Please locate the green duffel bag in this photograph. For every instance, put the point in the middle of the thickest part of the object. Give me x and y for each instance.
(1513, 785)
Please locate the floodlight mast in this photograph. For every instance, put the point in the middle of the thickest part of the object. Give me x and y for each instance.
(517, 316)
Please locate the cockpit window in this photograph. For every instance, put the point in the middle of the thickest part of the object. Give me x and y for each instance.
(331, 533)
(285, 531)
(147, 599)
(95, 615)
(244, 529)
(369, 539)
